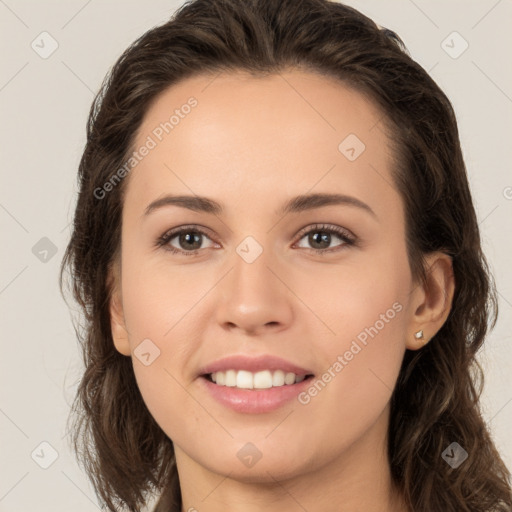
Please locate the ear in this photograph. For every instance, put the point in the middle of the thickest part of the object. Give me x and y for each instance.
(117, 321)
(432, 300)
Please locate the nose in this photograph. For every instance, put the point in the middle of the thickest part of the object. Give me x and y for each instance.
(254, 297)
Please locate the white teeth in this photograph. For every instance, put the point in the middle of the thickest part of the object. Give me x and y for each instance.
(278, 378)
(262, 380)
(259, 380)
(230, 378)
(244, 380)
(289, 378)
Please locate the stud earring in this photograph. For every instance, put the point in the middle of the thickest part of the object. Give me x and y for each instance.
(419, 335)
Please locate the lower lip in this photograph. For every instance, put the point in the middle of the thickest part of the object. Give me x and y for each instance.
(254, 400)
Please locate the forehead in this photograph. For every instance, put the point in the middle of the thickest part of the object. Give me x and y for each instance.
(284, 133)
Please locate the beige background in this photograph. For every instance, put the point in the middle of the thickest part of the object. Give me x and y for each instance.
(44, 106)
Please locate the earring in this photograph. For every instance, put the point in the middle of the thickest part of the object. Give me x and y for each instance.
(419, 335)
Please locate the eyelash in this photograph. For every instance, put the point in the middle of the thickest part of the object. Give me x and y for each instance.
(346, 236)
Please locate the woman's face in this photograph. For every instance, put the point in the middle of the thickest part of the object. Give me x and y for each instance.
(263, 279)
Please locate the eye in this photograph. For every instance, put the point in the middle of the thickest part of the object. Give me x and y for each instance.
(321, 236)
(188, 239)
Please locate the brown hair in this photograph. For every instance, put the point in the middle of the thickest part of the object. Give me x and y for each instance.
(436, 399)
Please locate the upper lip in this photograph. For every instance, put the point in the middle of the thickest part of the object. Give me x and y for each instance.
(253, 364)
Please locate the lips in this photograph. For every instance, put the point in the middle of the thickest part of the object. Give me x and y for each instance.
(260, 398)
(253, 364)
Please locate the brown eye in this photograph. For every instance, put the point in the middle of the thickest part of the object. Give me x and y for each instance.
(189, 240)
(320, 238)
(186, 240)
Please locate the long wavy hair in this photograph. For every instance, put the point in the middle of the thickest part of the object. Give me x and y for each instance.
(125, 453)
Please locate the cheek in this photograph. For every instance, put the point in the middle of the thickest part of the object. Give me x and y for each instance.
(163, 314)
(158, 299)
(364, 300)
(367, 310)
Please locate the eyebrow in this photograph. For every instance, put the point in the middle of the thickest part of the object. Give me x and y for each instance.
(296, 204)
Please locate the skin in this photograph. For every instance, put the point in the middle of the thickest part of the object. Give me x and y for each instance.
(251, 144)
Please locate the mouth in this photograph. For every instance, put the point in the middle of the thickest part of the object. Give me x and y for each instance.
(254, 384)
(264, 379)
(258, 392)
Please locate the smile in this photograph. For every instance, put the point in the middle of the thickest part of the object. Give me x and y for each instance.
(265, 379)
(252, 399)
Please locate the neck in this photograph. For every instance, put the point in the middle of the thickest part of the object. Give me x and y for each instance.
(358, 479)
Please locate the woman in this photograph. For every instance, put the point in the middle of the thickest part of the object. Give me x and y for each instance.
(279, 261)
